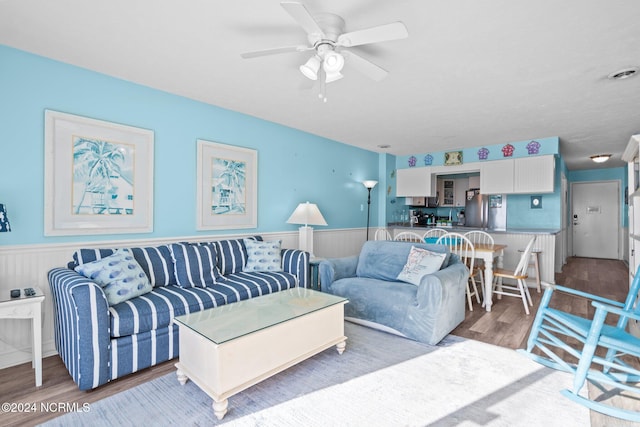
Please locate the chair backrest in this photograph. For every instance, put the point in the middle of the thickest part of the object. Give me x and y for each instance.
(461, 246)
(408, 236)
(523, 265)
(434, 232)
(382, 234)
(481, 237)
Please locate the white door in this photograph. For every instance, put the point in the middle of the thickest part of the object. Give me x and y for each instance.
(595, 219)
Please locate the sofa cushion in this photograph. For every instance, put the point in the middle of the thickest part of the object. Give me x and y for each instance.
(195, 265)
(263, 256)
(385, 259)
(420, 262)
(232, 255)
(155, 261)
(156, 309)
(119, 274)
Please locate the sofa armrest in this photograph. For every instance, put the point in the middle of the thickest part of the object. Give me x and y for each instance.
(333, 269)
(444, 287)
(81, 323)
(296, 262)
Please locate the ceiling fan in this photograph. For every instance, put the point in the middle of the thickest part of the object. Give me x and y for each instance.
(326, 36)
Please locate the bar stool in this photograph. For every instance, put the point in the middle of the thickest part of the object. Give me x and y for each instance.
(534, 263)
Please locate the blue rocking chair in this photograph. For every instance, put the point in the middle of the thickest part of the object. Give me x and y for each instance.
(552, 328)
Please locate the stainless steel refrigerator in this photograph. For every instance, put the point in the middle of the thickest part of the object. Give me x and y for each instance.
(485, 211)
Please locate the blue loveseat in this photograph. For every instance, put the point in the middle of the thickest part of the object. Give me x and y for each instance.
(99, 342)
(426, 312)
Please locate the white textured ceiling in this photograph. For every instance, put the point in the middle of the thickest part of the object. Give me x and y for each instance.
(471, 72)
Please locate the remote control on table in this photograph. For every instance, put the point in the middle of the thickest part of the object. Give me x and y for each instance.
(15, 293)
(29, 292)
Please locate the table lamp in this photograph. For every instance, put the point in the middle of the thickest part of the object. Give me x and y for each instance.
(307, 214)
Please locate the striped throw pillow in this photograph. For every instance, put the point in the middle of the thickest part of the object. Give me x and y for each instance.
(195, 265)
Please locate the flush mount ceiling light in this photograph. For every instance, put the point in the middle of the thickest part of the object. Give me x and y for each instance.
(600, 158)
(624, 73)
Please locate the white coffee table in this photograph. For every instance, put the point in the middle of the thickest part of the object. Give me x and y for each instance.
(227, 349)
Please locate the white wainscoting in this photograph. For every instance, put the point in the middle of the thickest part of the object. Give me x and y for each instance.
(28, 265)
(545, 242)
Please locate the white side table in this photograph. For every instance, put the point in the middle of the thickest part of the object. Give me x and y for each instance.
(26, 308)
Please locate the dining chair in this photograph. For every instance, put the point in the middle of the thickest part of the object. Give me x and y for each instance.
(382, 234)
(408, 236)
(519, 274)
(484, 238)
(463, 247)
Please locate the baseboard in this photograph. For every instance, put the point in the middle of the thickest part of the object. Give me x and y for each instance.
(18, 356)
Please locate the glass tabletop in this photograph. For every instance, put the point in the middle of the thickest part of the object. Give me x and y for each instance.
(231, 321)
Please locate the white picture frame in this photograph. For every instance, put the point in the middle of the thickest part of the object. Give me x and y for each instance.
(227, 186)
(98, 177)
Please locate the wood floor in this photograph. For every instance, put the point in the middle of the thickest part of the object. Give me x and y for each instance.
(506, 325)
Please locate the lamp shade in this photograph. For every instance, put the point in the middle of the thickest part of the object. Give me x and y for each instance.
(4, 219)
(369, 183)
(307, 214)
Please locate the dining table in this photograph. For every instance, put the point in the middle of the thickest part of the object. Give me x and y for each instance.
(488, 252)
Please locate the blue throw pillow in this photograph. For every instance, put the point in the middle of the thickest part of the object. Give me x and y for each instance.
(263, 256)
(119, 274)
(195, 265)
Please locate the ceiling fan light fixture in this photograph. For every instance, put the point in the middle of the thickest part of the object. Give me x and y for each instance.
(310, 68)
(332, 77)
(600, 158)
(333, 63)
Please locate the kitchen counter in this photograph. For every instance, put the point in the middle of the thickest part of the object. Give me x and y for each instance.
(462, 229)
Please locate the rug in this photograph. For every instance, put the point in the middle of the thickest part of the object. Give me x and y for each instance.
(380, 380)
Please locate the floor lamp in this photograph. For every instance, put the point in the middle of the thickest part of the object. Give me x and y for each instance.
(369, 184)
(307, 214)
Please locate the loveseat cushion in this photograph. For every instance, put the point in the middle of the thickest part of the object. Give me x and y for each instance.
(384, 260)
(232, 255)
(156, 309)
(195, 265)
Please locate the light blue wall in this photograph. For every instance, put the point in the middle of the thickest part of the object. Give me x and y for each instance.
(293, 166)
(608, 174)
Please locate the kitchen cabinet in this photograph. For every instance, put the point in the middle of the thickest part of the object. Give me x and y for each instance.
(452, 191)
(526, 175)
(534, 174)
(414, 182)
(496, 176)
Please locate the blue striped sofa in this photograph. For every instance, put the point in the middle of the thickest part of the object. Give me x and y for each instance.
(99, 343)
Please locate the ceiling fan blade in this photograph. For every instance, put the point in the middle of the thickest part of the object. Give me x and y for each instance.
(381, 33)
(302, 17)
(274, 51)
(365, 66)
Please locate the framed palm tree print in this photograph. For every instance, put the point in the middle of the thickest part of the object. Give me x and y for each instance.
(227, 186)
(98, 176)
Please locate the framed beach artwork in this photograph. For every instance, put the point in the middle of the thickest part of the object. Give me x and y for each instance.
(98, 177)
(227, 186)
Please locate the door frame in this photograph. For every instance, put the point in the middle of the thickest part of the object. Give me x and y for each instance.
(618, 211)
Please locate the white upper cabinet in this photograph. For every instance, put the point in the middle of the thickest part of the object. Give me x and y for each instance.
(525, 175)
(414, 182)
(496, 176)
(535, 174)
